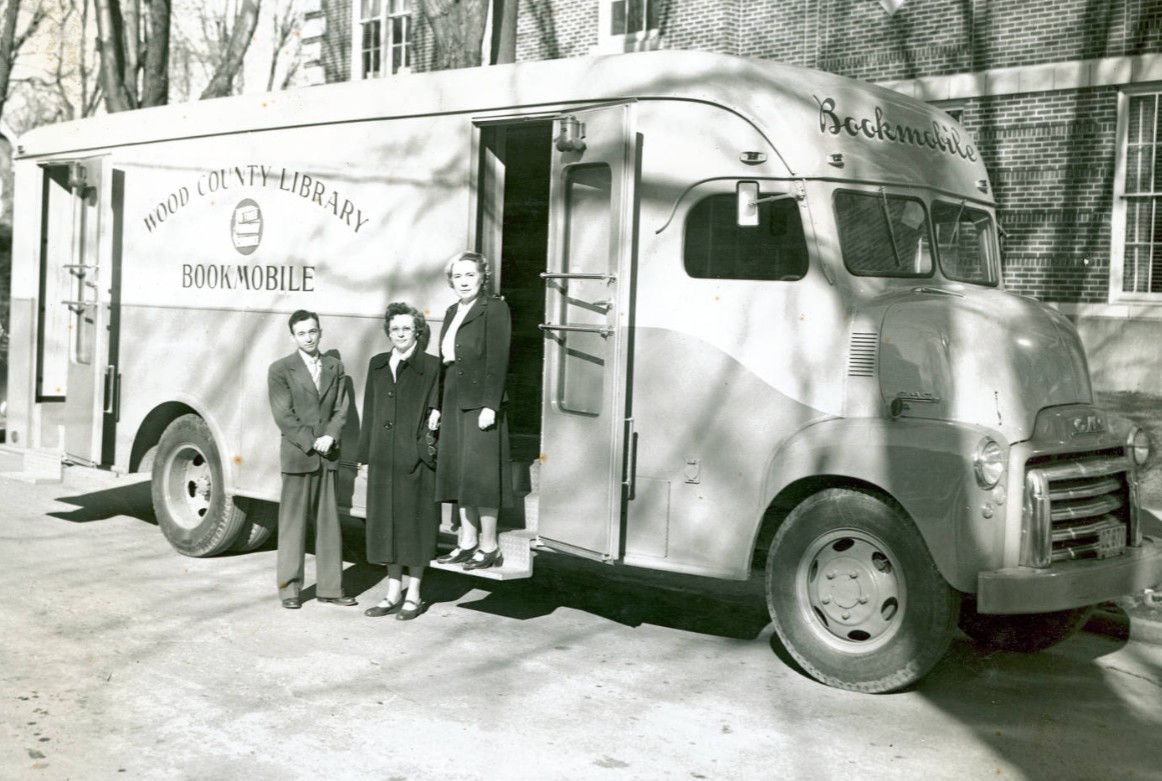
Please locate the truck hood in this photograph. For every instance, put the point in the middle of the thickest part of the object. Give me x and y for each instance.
(979, 356)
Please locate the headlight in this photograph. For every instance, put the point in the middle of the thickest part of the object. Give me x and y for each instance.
(988, 462)
(1138, 446)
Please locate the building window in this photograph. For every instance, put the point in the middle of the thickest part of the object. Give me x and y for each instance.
(629, 25)
(633, 17)
(1136, 268)
(383, 38)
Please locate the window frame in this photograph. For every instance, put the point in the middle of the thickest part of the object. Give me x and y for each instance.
(1118, 216)
(699, 199)
(993, 247)
(388, 45)
(933, 252)
(648, 39)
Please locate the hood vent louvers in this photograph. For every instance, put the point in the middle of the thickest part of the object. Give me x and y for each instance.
(861, 361)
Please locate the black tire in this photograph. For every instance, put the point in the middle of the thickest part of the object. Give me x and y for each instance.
(1026, 633)
(891, 617)
(193, 509)
(261, 524)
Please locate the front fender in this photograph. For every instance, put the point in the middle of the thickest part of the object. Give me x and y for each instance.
(925, 465)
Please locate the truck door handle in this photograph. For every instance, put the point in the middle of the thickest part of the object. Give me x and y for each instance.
(110, 389)
(630, 481)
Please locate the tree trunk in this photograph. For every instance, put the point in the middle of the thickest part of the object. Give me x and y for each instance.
(130, 46)
(504, 15)
(7, 41)
(458, 29)
(109, 44)
(155, 80)
(245, 23)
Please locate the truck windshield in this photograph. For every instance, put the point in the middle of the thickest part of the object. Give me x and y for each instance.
(883, 235)
(966, 248)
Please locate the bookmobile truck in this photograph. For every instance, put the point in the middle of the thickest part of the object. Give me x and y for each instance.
(757, 315)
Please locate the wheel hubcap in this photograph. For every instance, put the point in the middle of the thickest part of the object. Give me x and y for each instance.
(191, 486)
(849, 583)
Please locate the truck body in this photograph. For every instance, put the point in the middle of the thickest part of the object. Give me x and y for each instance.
(754, 306)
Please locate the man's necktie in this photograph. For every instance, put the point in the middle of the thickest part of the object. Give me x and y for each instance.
(316, 371)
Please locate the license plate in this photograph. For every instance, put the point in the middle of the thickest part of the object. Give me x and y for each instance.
(1111, 542)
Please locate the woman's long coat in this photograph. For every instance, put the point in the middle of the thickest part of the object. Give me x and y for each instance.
(403, 518)
(475, 465)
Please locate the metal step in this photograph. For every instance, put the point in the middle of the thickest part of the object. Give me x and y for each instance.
(515, 546)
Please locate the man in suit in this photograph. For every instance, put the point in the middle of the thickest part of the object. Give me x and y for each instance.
(308, 399)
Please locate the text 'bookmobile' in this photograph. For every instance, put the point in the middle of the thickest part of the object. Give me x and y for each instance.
(757, 310)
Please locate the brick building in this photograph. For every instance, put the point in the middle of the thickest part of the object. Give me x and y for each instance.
(1062, 97)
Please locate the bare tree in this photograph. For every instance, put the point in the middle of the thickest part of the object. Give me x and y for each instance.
(286, 39)
(11, 41)
(457, 29)
(7, 40)
(71, 73)
(133, 41)
(245, 23)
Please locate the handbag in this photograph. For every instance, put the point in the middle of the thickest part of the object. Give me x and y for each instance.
(427, 447)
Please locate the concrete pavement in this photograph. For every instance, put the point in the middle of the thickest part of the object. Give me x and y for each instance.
(125, 660)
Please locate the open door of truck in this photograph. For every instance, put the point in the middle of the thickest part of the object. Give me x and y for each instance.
(76, 367)
(586, 328)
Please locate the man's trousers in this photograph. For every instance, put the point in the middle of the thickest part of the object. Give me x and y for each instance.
(305, 497)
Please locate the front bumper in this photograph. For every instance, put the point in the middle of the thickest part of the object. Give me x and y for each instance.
(1066, 585)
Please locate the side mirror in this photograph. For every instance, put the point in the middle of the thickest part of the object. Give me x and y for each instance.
(748, 204)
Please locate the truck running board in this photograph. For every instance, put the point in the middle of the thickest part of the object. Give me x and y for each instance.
(515, 546)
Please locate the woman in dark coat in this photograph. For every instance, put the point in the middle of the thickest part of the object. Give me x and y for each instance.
(400, 410)
(474, 467)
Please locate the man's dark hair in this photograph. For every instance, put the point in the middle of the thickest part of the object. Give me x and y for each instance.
(300, 316)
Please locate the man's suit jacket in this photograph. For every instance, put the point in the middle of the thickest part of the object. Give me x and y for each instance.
(482, 345)
(304, 414)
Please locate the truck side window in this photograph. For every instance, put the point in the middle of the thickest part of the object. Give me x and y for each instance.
(883, 235)
(718, 248)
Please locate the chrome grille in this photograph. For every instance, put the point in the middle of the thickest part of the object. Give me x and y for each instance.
(1077, 509)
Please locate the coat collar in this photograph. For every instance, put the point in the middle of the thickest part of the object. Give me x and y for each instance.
(381, 361)
(478, 308)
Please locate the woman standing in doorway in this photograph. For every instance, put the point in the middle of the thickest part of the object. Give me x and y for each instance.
(474, 469)
(400, 412)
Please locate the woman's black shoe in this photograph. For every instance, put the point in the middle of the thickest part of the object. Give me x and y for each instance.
(486, 559)
(379, 611)
(408, 613)
(457, 556)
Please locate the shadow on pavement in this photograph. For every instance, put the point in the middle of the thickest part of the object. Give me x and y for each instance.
(134, 501)
(672, 601)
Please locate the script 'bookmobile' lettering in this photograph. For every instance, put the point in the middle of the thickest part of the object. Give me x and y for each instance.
(296, 182)
(939, 137)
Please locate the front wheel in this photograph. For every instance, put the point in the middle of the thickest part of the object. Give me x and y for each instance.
(193, 509)
(854, 594)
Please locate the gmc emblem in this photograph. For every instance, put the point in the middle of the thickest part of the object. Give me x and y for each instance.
(1086, 424)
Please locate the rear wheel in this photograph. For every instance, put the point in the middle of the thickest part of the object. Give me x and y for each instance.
(854, 594)
(1027, 633)
(261, 524)
(193, 509)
